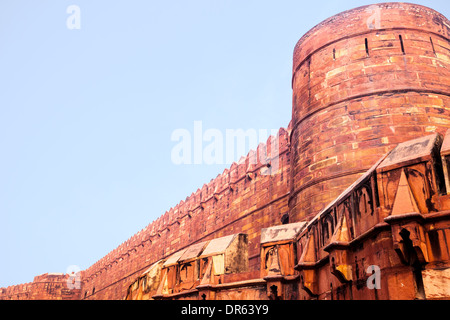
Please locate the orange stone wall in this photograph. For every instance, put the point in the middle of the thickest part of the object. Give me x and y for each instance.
(361, 86)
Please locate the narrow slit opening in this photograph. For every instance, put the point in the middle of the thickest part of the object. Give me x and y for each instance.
(367, 46)
(401, 44)
(334, 54)
(432, 46)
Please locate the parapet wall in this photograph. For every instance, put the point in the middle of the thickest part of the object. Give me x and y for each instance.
(244, 198)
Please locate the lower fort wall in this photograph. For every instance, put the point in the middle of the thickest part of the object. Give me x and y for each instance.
(47, 286)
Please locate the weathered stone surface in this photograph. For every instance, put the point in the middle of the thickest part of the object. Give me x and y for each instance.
(193, 251)
(281, 233)
(145, 286)
(437, 283)
(218, 246)
(412, 151)
(173, 259)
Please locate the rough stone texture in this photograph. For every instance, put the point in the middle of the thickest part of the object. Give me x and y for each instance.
(281, 233)
(145, 286)
(363, 184)
(437, 283)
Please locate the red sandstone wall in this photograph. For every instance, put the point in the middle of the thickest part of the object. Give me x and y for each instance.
(358, 90)
(228, 204)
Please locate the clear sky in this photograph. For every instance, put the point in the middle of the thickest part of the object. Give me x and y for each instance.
(86, 115)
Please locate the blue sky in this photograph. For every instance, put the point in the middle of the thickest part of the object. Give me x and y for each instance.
(86, 116)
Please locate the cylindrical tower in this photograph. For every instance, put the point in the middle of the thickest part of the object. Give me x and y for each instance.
(363, 81)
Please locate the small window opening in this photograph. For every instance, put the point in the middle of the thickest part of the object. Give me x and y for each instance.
(285, 219)
(274, 293)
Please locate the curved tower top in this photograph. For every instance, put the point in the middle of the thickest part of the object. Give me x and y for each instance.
(366, 19)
